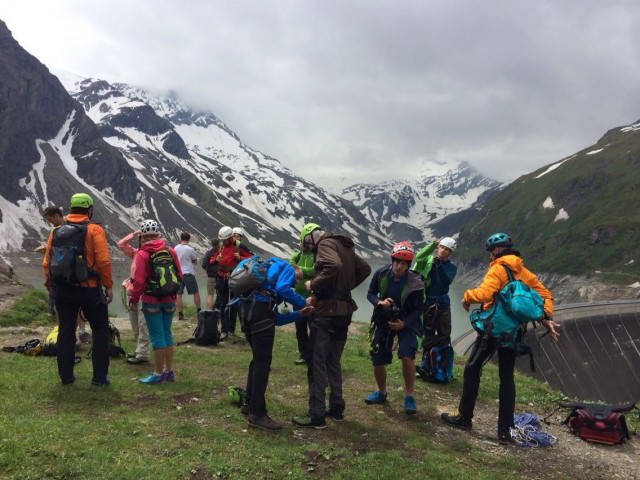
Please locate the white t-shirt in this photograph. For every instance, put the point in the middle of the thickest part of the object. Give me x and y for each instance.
(186, 256)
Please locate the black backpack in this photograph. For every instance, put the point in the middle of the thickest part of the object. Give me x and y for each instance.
(164, 281)
(67, 260)
(206, 332)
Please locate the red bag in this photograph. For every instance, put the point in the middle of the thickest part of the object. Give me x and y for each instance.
(598, 423)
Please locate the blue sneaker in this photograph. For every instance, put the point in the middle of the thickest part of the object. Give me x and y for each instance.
(376, 397)
(153, 379)
(410, 405)
(169, 376)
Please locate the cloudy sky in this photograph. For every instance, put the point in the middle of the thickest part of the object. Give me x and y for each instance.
(346, 91)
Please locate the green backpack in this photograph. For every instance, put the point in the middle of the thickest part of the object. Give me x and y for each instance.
(164, 281)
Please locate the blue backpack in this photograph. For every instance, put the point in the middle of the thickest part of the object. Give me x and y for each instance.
(513, 307)
(437, 364)
(249, 276)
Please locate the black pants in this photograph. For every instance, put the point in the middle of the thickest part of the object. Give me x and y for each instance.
(262, 352)
(228, 312)
(302, 335)
(68, 301)
(480, 353)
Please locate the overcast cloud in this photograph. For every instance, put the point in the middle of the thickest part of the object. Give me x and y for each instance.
(361, 91)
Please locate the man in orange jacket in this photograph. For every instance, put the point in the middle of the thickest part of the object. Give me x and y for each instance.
(77, 271)
(502, 254)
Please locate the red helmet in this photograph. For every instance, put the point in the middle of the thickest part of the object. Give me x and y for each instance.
(403, 251)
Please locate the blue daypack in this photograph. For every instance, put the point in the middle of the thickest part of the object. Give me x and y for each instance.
(513, 307)
(437, 364)
(248, 276)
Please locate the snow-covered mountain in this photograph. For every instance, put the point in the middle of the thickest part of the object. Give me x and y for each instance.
(142, 155)
(410, 209)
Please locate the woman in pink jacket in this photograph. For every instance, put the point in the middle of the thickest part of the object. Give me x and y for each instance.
(158, 310)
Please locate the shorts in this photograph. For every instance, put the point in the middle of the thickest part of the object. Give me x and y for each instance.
(211, 285)
(382, 344)
(189, 281)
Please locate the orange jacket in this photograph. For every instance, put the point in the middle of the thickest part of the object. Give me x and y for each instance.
(496, 278)
(96, 251)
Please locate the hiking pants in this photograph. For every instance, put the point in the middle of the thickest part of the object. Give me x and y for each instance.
(229, 312)
(140, 332)
(70, 299)
(481, 352)
(302, 335)
(159, 317)
(262, 352)
(327, 340)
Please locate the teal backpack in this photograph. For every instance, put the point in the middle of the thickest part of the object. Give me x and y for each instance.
(515, 305)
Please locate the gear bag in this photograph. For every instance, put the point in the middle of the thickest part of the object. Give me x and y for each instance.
(50, 346)
(206, 332)
(67, 260)
(164, 281)
(248, 276)
(437, 363)
(598, 423)
(513, 307)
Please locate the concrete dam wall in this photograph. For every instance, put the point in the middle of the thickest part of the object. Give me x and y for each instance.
(597, 357)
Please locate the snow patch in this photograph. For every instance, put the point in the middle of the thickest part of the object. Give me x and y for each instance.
(562, 215)
(553, 167)
(593, 152)
(548, 203)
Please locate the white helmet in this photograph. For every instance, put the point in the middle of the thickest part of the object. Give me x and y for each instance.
(224, 233)
(238, 231)
(448, 242)
(148, 227)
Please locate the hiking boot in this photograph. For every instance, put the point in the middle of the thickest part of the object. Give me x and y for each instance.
(100, 382)
(376, 397)
(180, 316)
(410, 405)
(223, 336)
(300, 361)
(69, 381)
(456, 421)
(84, 338)
(335, 415)
(505, 438)
(137, 360)
(265, 422)
(244, 410)
(308, 422)
(169, 376)
(153, 379)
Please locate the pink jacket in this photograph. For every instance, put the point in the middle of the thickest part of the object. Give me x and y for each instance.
(129, 251)
(142, 271)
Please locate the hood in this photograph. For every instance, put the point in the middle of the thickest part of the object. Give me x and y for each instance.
(514, 262)
(345, 240)
(154, 245)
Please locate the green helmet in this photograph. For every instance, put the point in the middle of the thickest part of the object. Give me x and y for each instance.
(81, 200)
(307, 229)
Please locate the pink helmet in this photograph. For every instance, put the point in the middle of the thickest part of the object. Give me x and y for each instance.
(403, 251)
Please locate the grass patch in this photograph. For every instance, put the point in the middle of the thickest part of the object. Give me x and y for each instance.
(31, 308)
(190, 430)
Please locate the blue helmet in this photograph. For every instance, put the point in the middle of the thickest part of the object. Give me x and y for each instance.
(498, 240)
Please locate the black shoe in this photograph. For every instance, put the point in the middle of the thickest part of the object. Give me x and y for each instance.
(244, 410)
(335, 415)
(456, 421)
(180, 316)
(308, 422)
(101, 382)
(505, 438)
(264, 422)
(69, 381)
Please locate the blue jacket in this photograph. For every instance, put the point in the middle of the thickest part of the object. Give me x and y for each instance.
(280, 280)
(441, 275)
